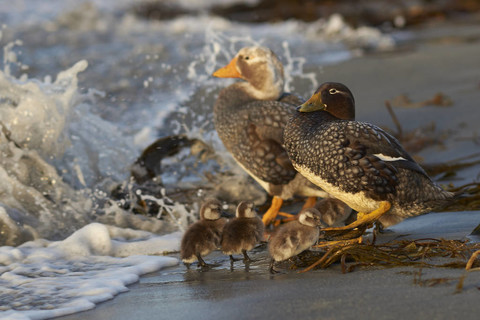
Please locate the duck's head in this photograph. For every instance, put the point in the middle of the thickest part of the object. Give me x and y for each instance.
(260, 67)
(246, 209)
(211, 210)
(333, 97)
(310, 217)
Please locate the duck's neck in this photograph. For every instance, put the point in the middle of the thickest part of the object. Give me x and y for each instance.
(268, 87)
(313, 119)
(241, 93)
(232, 97)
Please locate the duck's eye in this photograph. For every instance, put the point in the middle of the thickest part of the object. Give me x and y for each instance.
(333, 91)
(247, 58)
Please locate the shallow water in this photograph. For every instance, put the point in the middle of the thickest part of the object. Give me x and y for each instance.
(87, 85)
(84, 88)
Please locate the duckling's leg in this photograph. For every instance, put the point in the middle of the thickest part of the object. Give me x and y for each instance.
(246, 258)
(271, 269)
(310, 202)
(365, 218)
(201, 262)
(272, 212)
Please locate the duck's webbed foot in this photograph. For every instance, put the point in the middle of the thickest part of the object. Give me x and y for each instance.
(202, 262)
(363, 222)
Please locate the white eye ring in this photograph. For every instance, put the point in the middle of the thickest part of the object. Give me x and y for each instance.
(333, 91)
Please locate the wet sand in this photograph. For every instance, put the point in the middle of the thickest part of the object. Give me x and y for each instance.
(452, 68)
(253, 293)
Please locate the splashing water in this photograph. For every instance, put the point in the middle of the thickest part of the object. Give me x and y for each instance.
(47, 127)
(66, 142)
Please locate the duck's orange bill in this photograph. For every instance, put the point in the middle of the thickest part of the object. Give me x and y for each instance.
(229, 71)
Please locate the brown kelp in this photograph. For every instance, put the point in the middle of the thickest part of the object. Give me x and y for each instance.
(428, 253)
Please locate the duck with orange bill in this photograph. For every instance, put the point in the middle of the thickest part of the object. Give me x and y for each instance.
(250, 116)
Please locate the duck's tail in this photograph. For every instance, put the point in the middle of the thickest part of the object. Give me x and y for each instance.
(463, 198)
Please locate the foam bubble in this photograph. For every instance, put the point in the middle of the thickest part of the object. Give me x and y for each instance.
(50, 279)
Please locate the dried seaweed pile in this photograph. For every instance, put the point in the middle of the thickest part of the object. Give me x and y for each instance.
(430, 253)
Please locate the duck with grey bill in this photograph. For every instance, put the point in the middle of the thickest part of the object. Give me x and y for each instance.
(242, 233)
(249, 118)
(358, 162)
(204, 236)
(294, 237)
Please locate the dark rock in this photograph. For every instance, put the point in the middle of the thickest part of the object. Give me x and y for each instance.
(148, 165)
(159, 10)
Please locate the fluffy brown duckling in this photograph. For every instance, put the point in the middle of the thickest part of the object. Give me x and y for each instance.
(294, 237)
(243, 232)
(250, 116)
(203, 236)
(333, 212)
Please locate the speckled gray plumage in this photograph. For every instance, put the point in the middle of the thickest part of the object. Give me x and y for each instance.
(250, 116)
(342, 153)
(291, 98)
(253, 132)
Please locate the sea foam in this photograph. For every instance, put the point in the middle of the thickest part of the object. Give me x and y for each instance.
(43, 279)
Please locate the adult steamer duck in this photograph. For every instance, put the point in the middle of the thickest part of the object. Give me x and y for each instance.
(357, 162)
(250, 117)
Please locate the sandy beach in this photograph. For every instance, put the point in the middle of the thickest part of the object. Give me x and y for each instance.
(441, 63)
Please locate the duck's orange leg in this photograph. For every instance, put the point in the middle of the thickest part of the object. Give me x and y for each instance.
(310, 202)
(287, 215)
(272, 212)
(365, 218)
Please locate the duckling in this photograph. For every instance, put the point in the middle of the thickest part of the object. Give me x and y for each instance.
(204, 236)
(357, 162)
(294, 237)
(333, 212)
(243, 232)
(249, 118)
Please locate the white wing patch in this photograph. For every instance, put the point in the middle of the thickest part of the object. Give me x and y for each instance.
(388, 158)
